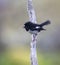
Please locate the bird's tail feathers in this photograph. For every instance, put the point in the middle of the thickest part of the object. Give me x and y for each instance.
(45, 23)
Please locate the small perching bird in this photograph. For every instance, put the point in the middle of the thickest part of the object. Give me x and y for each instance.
(34, 28)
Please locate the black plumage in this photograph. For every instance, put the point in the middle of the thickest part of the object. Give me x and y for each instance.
(33, 27)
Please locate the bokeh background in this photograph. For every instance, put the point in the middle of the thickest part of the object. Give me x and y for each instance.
(15, 41)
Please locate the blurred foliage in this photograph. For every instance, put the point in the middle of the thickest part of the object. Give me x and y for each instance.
(21, 57)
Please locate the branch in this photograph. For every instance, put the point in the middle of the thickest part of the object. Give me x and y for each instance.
(32, 18)
(31, 12)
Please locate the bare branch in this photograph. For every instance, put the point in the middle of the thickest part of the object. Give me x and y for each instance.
(32, 18)
(31, 12)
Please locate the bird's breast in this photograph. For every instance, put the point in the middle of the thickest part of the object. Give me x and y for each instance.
(33, 32)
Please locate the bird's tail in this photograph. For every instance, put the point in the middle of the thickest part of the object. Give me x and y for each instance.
(45, 23)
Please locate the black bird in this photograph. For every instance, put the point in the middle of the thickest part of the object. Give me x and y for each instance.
(34, 28)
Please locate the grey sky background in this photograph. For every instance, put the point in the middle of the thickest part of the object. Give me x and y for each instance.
(13, 15)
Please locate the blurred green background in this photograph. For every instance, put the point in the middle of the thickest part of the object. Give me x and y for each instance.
(15, 41)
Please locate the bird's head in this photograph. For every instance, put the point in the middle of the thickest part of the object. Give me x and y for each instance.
(26, 26)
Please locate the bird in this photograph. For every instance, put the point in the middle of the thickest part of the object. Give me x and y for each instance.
(35, 28)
